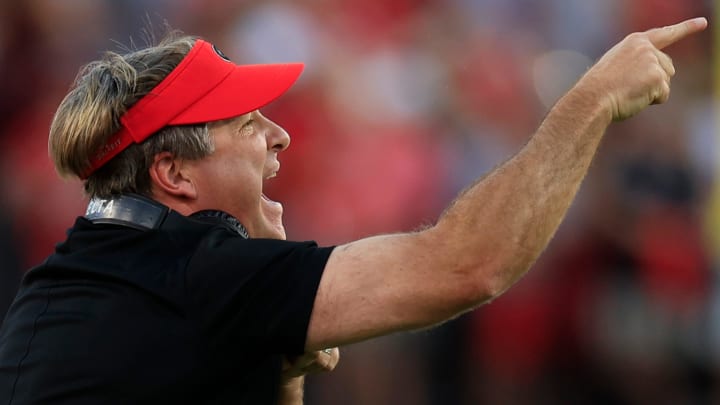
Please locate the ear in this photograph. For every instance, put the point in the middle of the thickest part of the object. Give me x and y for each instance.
(168, 176)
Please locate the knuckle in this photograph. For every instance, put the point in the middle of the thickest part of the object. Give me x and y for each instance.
(631, 40)
(657, 75)
(672, 30)
(634, 36)
(649, 67)
(643, 49)
(671, 66)
(648, 57)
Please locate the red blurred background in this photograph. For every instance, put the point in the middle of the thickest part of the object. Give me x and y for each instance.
(402, 104)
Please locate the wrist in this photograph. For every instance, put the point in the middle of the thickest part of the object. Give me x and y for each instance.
(291, 391)
(294, 382)
(593, 98)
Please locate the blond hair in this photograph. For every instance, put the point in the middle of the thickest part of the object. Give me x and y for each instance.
(91, 111)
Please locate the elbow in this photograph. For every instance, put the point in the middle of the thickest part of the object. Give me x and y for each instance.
(486, 282)
(496, 285)
(469, 289)
(476, 287)
(476, 274)
(496, 273)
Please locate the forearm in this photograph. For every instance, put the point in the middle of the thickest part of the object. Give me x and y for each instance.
(501, 224)
(484, 241)
(495, 230)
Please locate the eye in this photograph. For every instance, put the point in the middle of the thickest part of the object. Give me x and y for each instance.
(247, 127)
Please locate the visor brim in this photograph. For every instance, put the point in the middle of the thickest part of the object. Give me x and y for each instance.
(246, 89)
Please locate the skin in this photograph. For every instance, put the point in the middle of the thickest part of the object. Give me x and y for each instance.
(231, 178)
(483, 243)
(495, 230)
(246, 146)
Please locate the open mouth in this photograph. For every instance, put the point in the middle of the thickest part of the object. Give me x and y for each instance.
(271, 206)
(263, 195)
(272, 211)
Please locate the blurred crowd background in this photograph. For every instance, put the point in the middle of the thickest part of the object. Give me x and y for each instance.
(403, 103)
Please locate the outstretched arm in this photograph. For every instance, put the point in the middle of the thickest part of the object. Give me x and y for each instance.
(495, 230)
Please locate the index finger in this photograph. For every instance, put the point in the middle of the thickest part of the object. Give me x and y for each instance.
(665, 36)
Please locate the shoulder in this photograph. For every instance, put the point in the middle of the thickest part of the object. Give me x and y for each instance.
(220, 248)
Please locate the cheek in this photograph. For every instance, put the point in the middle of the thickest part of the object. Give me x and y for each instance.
(239, 163)
(230, 179)
(235, 172)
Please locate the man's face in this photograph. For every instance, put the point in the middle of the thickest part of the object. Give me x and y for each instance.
(231, 178)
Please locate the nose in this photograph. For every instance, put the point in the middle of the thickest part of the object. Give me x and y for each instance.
(277, 138)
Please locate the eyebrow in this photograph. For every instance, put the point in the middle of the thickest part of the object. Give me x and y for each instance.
(235, 122)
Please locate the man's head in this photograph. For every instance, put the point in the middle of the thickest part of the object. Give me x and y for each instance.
(127, 113)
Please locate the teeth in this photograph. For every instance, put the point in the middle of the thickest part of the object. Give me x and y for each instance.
(271, 176)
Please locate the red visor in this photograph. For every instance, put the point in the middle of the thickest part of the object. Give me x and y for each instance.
(204, 87)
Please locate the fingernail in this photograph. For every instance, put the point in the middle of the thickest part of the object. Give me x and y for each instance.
(700, 21)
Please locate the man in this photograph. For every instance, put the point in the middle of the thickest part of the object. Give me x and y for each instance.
(178, 286)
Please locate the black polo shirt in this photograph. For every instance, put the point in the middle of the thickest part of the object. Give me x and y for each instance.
(190, 312)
